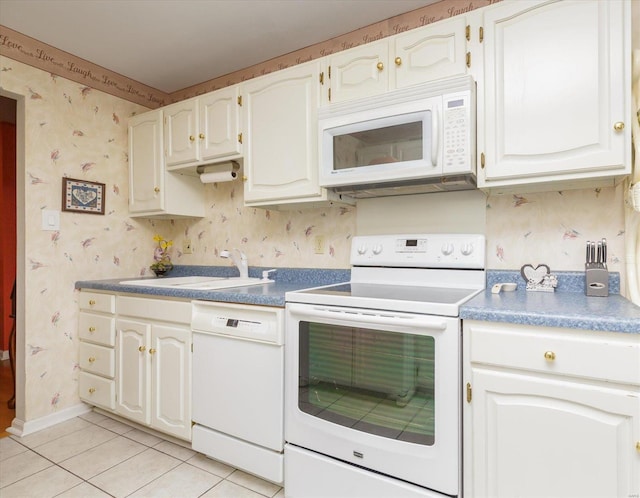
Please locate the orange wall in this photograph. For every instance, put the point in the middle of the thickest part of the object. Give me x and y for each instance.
(8, 220)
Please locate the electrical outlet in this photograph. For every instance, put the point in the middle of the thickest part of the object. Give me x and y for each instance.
(318, 244)
(187, 248)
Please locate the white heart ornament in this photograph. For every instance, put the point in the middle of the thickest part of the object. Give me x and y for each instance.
(535, 275)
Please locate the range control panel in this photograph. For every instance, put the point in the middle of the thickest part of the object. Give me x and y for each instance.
(419, 250)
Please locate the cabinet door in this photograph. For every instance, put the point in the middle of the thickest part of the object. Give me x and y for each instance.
(219, 114)
(280, 118)
(170, 356)
(146, 164)
(133, 370)
(538, 436)
(430, 53)
(181, 135)
(556, 84)
(359, 72)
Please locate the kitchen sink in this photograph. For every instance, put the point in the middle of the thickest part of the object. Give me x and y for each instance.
(197, 283)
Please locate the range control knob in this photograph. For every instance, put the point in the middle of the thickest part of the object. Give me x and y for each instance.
(466, 249)
(447, 248)
(377, 249)
(362, 249)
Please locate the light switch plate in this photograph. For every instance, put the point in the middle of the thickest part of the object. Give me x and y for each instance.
(50, 219)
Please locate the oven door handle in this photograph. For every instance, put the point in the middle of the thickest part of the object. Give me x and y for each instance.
(371, 317)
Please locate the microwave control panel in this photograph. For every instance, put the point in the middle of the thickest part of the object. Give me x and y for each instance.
(457, 140)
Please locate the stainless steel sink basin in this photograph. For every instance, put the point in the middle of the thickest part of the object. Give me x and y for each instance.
(196, 283)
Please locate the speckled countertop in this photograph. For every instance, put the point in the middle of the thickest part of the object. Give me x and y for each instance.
(567, 307)
(270, 294)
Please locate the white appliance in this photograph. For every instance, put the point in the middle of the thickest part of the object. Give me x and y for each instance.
(238, 386)
(418, 139)
(373, 382)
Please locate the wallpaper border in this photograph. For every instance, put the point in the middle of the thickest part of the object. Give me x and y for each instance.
(32, 52)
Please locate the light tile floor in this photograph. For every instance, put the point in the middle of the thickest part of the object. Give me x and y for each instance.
(96, 456)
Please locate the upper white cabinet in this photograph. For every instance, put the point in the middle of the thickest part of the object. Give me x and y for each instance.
(153, 191)
(554, 101)
(417, 56)
(280, 116)
(203, 129)
(550, 412)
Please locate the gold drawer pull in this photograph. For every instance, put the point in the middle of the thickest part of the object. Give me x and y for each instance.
(549, 355)
(398, 61)
(141, 349)
(380, 66)
(92, 302)
(92, 390)
(638, 446)
(152, 351)
(91, 359)
(201, 136)
(192, 138)
(619, 126)
(156, 190)
(92, 329)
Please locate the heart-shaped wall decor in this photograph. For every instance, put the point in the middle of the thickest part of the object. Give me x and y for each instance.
(534, 275)
(84, 195)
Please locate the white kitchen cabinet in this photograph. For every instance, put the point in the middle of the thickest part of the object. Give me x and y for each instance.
(550, 412)
(554, 103)
(153, 374)
(280, 116)
(203, 129)
(96, 357)
(155, 192)
(420, 55)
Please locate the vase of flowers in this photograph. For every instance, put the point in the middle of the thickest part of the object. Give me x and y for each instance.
(161, 256)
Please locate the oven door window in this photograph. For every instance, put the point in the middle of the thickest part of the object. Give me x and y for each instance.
(369, 380)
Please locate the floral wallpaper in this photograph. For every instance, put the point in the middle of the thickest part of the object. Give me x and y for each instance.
(554, 227)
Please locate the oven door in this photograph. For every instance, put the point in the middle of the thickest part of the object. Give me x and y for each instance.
(377, 389)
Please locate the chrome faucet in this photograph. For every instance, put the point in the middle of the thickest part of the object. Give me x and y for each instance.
(239, 259)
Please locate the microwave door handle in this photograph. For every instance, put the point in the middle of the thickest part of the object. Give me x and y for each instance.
(435, 144)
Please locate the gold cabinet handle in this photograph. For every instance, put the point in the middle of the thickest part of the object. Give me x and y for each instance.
(380, 66)
(192, 138)
(92, 329)
(619, 126)
(92, 390)
(92, 302)
(142, 349)
(152, 351)
(244, 178)
(201, 136)
(91, 359)
(156, 190)
(549, 355)
(240, 137)
(398, 61)
(638, 446)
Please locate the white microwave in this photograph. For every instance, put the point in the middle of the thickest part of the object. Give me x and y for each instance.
(419, 139)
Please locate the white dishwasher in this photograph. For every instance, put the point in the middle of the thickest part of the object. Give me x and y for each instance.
(238, 386)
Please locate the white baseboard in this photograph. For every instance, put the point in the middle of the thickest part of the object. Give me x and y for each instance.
(21, 428)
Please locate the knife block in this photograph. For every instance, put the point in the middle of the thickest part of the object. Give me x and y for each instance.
(597, 282)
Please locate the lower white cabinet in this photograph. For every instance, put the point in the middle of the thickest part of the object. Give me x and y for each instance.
(135, 359)
(550, 412)
(153, 364)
